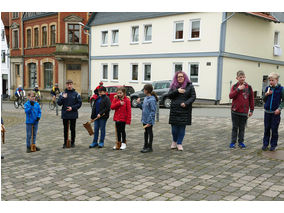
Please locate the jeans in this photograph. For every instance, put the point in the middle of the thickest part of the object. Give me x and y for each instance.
(99, 124)
(72, 126)
(29, 133)
(148, 137)
(178, 133)
(120, 131)
(271, 123)
(238, 130)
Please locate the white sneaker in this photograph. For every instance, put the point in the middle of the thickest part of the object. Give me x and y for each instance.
(123, 146)
(179, 146)
(174, 145)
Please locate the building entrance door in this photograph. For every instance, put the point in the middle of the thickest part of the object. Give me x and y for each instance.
(74, 73)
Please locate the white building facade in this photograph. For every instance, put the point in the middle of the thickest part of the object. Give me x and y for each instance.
(138, 48)
(5, 64)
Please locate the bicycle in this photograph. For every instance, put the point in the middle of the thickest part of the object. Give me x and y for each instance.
(38, 99)
(20, 102)
(53, 105)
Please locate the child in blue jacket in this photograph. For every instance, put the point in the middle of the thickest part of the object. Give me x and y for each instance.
(148, 116)
(33, 115)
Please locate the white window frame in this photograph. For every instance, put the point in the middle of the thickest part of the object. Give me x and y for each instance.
(112, 43)
(143, 79)
(2, 35)
(131, 72)
(278, 39)
(189, 72)
(174, 66)
(104, 44)
(112, 65)
(174, 34)
(144, 35)
(131, 35)
(102, 73)
(3, 56)
(190, 29)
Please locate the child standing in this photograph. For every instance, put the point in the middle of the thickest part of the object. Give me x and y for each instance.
(148, 116)
(242, 108)
(33, 115)
(122, 116)
(274, 103)
(100, 112)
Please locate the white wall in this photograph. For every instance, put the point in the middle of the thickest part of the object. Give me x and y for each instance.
(5, 67)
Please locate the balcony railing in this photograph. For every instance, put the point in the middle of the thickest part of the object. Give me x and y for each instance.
(71, 49)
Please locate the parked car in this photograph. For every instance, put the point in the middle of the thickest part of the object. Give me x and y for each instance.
(161, 88)
(111, 92)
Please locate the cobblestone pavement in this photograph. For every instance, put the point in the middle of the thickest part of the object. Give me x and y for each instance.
(206, 170)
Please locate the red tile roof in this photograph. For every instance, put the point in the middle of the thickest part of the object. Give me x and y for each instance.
(263, 15)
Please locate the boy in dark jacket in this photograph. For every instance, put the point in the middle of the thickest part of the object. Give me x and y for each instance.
(70, 101)
(274, 103)
(100, 112)
(242, 108)
(33, 115)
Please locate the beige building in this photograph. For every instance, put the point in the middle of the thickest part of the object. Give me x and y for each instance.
(138, 48)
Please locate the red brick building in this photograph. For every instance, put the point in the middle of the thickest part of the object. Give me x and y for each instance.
(49, 48)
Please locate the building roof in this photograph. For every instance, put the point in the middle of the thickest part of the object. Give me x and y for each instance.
(264, 15)
(5, 18)
(101, 18)
(32, 15)
(279, 16)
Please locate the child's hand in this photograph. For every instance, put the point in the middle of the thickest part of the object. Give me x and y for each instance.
(64, 95)
(121, 102)
(241, 87)
(250, 114)
(277, 112)
(138, 101)
(268, 93)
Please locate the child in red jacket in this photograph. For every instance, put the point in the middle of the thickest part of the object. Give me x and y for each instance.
(242, 108)
(122, 116)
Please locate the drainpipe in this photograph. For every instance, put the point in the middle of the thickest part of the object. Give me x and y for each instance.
(220, 56)
(23, 60)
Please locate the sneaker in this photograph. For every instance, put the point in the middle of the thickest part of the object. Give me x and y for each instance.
(242, 145)
(2, 156)
(272, 149)
(264, 148)
(93, 145)
(28, 149)
(123, 146)
(232, 145)
(174, 145)
(117, 145)
(37, 149)
(179, 147)
(72, 145)
(147, 150)
(64, 146)
(101, 145)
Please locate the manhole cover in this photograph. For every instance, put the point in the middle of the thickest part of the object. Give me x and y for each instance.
(279, 154)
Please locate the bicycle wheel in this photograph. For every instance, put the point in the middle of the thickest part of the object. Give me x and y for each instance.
(16, 104)
(51, 105)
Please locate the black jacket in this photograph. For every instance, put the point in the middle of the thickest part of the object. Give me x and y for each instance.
(181, 115)
(73, 100)
(104, 107)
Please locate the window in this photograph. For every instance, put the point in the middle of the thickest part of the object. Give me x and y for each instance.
(104, 37)
(194, 29)
(105, 72)
(177, 67)
(134, 72)
(135, 34)
(73, 66)
(48, 75)
(276, 38)
(32, 74)
(17, 69)
(74, 33)
(29, 38)
(194, 71)
(148, 33)
(36, 37)
(15, 42)
(44, 36)
(3, 56)
(178, 30)
(52, 35)
(114, 37)
(15, 15)
(147, 72)
(115, 72)
(3, 35)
